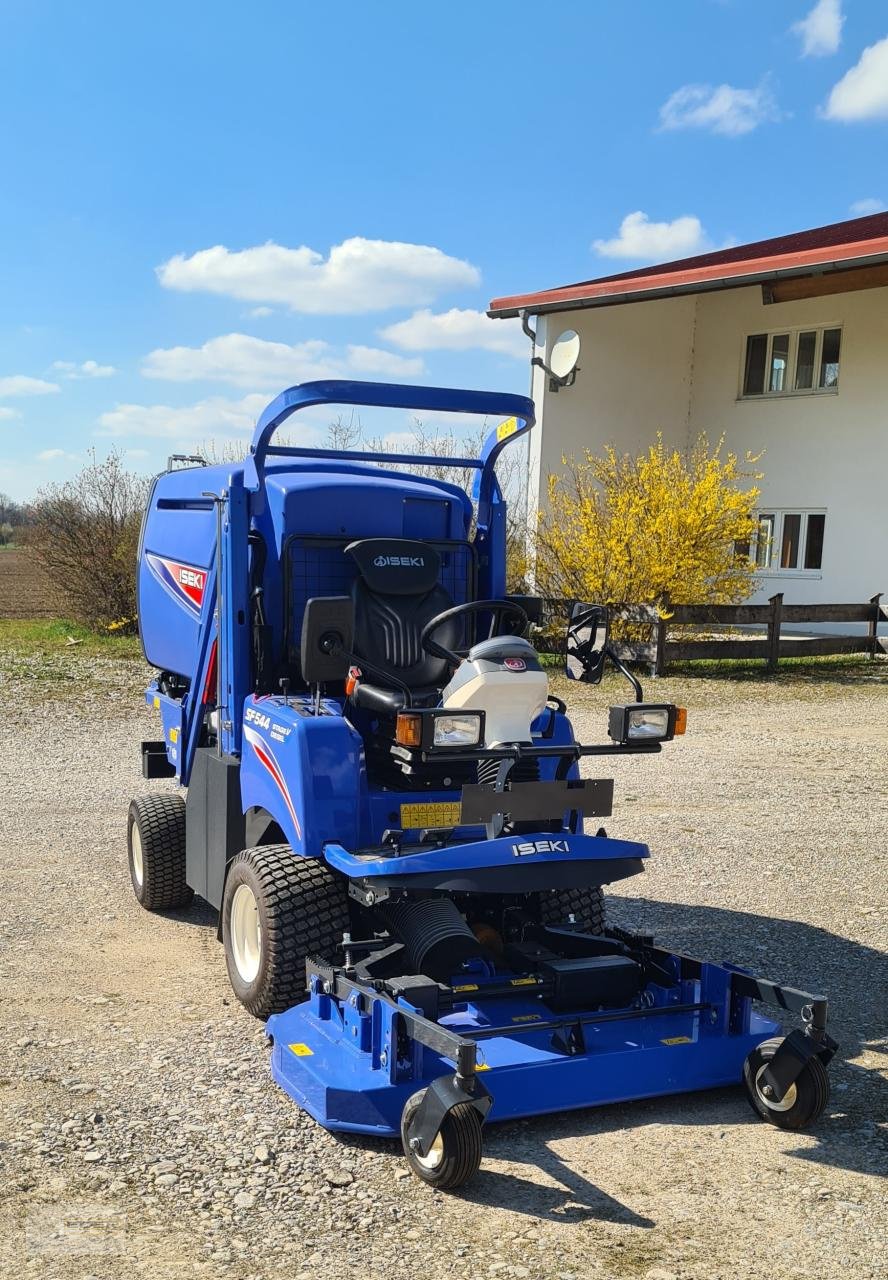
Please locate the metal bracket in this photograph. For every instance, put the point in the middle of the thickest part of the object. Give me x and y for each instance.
(789, 1061)
(440, 1097)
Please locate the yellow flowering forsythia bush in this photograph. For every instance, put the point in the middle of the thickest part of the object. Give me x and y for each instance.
(659, 529)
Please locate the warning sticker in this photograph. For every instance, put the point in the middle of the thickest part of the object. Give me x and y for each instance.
(446, 814)
(301, 1050)
(677, 1040)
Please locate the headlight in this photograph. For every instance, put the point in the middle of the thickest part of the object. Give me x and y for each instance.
(457, 731)
(646, 722)
(436, 730)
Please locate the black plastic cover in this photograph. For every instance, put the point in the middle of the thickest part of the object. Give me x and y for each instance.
(592, 982)
(396, 566)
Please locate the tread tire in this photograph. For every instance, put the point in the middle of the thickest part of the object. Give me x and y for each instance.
(585, 903)
(303, 912)
(160, 820)
(461, 1134)
(811, 1085)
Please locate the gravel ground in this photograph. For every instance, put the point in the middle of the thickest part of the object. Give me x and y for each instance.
(140, 1132)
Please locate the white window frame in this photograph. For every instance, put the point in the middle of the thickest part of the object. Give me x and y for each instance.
(790, 389)
(773, 569)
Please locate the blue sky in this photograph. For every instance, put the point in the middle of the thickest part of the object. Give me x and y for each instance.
(201, 203)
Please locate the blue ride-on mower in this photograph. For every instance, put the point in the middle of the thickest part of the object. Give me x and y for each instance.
(384, 804)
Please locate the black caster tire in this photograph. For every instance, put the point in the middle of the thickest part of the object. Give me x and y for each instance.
(278, 910)
(155, 839)
(586, 905)
(805, 1098)
(455, 1155)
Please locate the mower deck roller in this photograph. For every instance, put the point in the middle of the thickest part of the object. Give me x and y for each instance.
(384, 804)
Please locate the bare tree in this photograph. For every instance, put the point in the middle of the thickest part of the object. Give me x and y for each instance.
(84, 534)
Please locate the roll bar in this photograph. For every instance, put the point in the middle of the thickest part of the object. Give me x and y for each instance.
(518, 412)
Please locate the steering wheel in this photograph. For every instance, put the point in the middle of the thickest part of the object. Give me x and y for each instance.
(499, 608)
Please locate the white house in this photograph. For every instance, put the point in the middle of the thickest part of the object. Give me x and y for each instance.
(782, 347)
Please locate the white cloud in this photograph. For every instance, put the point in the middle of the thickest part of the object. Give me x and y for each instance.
(20, 385)
(862, 92)
(358, 275)
(655, 241)
(259, 313)
(821, 30)
(191, 422)
(245, 361)
(719, 108)
(88, 369)
(385, 363)
(6, 413)
(57, 455)
(860, 208)
(458, 330)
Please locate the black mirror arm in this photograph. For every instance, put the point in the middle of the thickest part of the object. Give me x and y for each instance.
(624, 670)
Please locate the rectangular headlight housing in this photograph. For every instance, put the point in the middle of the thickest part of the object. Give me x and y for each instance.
(644, 722)
(462, 730)
(438, 730)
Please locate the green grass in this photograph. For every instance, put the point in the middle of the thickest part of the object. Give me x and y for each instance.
(44, 636)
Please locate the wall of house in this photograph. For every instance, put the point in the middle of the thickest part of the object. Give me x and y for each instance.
(634, 380)
(827, 450)
(675, 365)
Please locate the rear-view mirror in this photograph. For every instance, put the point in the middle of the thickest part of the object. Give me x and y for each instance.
(587, 633)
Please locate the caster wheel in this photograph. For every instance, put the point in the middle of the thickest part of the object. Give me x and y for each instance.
(455, 1155)
(803, 1101)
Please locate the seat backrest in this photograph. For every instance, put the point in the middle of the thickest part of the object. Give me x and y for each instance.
(395, 595)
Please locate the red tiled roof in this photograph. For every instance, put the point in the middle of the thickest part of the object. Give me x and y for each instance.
(840, 244)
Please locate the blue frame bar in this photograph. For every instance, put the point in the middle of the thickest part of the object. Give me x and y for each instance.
(517, 410)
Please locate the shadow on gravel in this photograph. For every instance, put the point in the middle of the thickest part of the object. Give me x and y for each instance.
(853, 976)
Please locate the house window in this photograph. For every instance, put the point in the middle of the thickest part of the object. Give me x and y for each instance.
(791, 362)
(787, 541)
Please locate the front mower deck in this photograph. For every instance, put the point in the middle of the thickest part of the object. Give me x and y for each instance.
(360, 1047)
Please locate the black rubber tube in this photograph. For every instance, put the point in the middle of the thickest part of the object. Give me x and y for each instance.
(437, 939)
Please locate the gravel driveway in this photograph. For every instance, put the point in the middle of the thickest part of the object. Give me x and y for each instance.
(141, 1134)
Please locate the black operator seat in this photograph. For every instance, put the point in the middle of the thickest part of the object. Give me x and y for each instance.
(395, 594)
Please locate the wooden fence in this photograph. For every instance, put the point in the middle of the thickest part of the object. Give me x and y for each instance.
(661, 650)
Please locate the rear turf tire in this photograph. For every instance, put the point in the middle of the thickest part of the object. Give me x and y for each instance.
(585, 904)
(803, 1101)
(455, 1155)
(155, 837)
(279, 909)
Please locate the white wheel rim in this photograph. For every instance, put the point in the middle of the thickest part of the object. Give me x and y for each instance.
(245, 932)
(138, 859)
(435, 1156)
(785, 1104)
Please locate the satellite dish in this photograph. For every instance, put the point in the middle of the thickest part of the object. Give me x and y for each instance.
(565, 354)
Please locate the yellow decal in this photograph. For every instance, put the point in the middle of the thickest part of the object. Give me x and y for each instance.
(157, 704)
(174, 735)
(507, 428)
(467, 986)
(301, 1050)
(482, 1066)
(446, 814)
(528, 1017)
(522, 982)
(677, 1040)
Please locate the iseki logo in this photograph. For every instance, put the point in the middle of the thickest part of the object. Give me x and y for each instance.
(191, 578)
(399, 562)
(528, 847)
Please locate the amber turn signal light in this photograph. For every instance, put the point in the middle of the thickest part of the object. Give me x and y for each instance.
(408, 729)
(681, 720)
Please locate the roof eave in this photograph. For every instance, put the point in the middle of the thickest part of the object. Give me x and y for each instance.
(579, 302)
